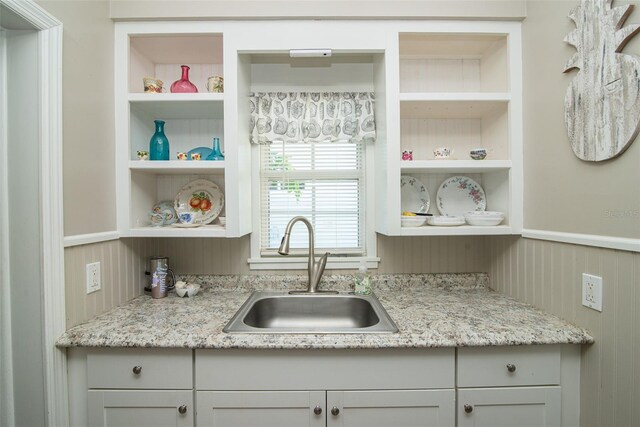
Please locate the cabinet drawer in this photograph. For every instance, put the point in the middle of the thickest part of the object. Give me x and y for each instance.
(140, 368)
(508, 366)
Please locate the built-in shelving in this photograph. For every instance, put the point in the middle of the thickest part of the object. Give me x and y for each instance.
(460, 230)
(169, 231)
(178, 166)
(454, 166)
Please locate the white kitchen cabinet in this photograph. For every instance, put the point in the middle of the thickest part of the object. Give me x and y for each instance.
(373, 388)
(135, 408)
(510, 406)
(261, 409)
(384, 408)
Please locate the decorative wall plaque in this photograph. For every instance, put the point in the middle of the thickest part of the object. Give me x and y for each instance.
(602, 103)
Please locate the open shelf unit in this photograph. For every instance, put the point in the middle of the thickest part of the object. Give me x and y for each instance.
(459, 86)
(191, 120)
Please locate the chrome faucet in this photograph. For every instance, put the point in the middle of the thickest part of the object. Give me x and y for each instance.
(315, 268)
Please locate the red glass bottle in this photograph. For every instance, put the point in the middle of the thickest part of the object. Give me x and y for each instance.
(184, 85)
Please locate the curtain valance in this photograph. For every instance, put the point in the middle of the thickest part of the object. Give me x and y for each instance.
(312, 117)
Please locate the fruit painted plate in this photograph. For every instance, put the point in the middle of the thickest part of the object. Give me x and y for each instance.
(459, 195)
(201, 197)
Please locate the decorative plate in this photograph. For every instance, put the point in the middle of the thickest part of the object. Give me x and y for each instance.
(414, 196)
(459, 195)
(202, 197)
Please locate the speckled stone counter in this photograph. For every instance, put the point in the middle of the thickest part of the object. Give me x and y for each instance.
(431, 310)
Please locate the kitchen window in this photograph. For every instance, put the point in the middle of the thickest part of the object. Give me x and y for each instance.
(324, 182)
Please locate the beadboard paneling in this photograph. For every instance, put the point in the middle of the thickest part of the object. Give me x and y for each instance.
(122, 265)
(548, 275)
(398, 255)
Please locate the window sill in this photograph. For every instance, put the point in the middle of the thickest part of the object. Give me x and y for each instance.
(300, 263)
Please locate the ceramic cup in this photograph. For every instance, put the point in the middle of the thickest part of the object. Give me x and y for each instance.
(186, 217)
(181, 156)
(143, 155)
(478, 153)
(196, 156)
(152, 85)
(215, 84)
(443, 152)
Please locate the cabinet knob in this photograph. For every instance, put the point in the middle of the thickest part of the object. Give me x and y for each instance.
(335, 411)
(182, 409)
(511, 367)
(468, 409)
(137, 370)
(317, 410)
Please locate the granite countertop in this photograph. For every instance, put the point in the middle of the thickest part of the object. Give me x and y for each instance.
(430, 310)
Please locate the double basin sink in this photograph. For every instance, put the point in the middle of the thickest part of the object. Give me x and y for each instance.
(281, 312)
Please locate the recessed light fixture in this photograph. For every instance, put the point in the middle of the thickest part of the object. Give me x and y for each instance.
(310, 53)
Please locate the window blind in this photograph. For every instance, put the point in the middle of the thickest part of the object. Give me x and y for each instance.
(323, 182)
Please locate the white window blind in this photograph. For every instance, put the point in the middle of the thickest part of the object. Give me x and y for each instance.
(323, 182)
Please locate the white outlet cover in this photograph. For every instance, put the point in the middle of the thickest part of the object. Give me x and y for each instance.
(93, 277)
(592, 291)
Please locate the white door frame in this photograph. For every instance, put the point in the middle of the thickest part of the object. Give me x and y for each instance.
(51, 220)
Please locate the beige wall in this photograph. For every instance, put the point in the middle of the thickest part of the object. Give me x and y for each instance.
(88, 115)
(548, 276)
(563, 193)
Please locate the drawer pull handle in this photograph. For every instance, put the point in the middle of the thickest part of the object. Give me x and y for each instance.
(317, 410)
(335, 411)
(182, 409)
(511, 367)
(468, 409)
(137, 370)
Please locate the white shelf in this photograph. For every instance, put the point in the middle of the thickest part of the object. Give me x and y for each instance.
(203, 231)
(455, 96)
(178, 166)
(462, 230)
(454, 166)
(446, 108)
(179, 105)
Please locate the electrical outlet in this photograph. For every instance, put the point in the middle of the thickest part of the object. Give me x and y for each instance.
(592, 291)
(93, 277)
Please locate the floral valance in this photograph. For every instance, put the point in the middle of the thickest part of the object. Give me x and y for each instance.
(312, 117)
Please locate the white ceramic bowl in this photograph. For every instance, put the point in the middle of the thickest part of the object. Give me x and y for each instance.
(187, 289)
(412, 221)
(484, 219)
(447, 221)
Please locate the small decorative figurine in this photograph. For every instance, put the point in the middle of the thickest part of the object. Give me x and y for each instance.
(407, 155)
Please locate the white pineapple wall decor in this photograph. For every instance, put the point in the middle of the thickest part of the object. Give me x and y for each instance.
(602, 103)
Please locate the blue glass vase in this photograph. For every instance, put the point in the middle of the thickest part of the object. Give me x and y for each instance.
(159, 144)
(216, 154)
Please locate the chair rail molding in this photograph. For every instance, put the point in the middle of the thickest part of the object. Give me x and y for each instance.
(51, 215)
(620, 243)
(86, 239)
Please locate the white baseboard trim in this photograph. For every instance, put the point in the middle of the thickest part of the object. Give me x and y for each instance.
(86, 239)
(620, 243)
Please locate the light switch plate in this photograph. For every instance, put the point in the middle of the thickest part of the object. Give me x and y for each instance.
(93, 277)
(592, 291)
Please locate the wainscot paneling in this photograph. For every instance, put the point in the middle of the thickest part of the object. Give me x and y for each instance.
(122, 266)
(548, 275)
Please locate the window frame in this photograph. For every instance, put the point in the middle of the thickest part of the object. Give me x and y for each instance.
(259, 262)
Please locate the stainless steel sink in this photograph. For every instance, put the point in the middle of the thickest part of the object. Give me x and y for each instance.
(280, 312)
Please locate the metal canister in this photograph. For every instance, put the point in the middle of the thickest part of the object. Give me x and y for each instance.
(159, 269)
